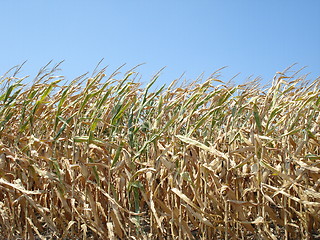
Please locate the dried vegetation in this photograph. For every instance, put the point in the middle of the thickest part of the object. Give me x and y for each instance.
(105, 158)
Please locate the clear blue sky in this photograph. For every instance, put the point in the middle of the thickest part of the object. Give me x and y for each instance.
(250, 36)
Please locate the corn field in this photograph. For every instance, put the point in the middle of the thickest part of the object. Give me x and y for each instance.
(109, 158)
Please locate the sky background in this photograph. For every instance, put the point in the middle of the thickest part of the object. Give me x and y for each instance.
(251, 37)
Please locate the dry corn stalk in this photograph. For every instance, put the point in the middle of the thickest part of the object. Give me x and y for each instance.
(106, 158)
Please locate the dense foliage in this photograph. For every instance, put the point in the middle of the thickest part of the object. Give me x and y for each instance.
(104, 157)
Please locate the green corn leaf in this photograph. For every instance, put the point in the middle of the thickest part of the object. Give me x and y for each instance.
(257, 118)
(117, 155)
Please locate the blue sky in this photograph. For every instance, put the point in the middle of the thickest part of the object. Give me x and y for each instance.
(251, 37)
